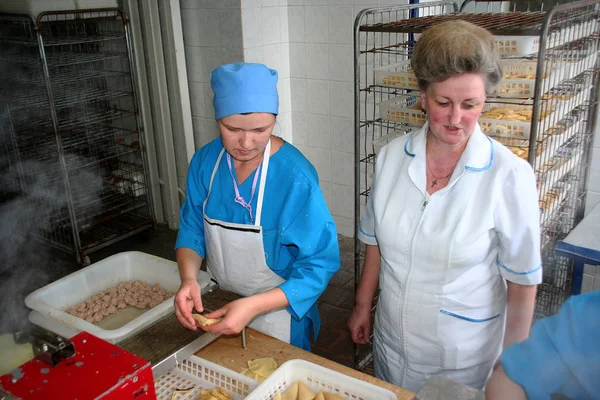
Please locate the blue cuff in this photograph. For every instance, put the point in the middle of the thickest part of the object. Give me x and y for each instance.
(185, 239)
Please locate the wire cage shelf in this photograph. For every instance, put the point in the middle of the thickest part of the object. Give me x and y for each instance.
(70, 116)
(551, 74)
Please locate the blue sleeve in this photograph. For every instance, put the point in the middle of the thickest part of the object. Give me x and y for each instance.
(312, 233)
(191, 224)
(562, 354)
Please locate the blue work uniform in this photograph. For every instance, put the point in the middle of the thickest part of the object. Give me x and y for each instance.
(299, 235)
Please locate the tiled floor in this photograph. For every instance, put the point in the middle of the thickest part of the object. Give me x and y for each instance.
(335, 305)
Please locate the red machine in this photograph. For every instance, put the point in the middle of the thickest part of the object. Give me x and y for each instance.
(84, 367)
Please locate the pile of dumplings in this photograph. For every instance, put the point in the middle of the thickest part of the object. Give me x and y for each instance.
(299, 391)
(130, 293)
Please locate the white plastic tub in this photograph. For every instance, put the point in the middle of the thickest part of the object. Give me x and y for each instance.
(318, 378)
(50, 302)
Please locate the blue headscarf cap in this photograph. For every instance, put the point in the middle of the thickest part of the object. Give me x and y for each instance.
(244, 88)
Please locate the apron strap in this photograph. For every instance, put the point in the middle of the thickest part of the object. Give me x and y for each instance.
(212, 177)
(263, 180)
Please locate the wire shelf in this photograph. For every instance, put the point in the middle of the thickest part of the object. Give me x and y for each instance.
(74, 128)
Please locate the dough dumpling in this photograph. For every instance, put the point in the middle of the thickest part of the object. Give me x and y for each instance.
(202, 320)
(298, 391)
(263, 366)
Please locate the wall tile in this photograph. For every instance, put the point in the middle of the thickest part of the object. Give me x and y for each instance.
(590, 269)
(342, 198)
(250, 3)
(193, 61)
(212, 57)
(207, 4)
(285, 61)
(594, 180)
(298, 95)
(317, 96)
(205, 130)
(284, 25)
(210, 34)
(296, 24)
(341, 25)
(188, 4)
(317, 61)
(342, 99)
(285, 98)
(326, 189)
(254, 54)
(272, 56)
(224, 4)
(587, 284)
(271, 32)
(270, 3)
(344, 226)
(315, 24)
(596, 284)
(341, 62)
(342, 134)
(190, 27)
(230, 24)
(342, 168)
(252, 27)
(229, 56)
(208, 99)
(197, 99)
(298, 60)
(319, 158)
(593, 198)
(295, 2)
(317, 131)
(299, 128)
(285, 131)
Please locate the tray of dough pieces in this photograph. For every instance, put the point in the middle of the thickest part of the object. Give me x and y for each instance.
(300, 379)
(51, 304)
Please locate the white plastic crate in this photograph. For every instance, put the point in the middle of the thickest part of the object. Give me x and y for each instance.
(519, 79)
(50, 302)
(318, 378)
(396, 75)
(505, 127)
(406, 109)
(200, 374)
(517, 45)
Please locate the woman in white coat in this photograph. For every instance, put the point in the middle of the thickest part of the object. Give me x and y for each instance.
(451, 228)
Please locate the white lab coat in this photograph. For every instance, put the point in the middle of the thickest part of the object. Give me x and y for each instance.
(445, 258)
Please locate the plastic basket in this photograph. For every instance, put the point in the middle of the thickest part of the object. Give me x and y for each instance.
(200, 374)
(318, 378)
(406, 109)
(506, 127)
(518, 79)
(517, 45)
(396, 75)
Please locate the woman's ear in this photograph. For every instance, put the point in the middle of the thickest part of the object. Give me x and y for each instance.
(423, 97)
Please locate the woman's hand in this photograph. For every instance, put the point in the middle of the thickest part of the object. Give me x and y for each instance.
(186, 299)
(236, 315)
(360, 324)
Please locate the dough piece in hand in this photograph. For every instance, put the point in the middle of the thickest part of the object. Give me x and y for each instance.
(263, 366)
(202, 320)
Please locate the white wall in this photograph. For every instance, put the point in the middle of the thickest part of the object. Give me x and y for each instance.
(212, 34)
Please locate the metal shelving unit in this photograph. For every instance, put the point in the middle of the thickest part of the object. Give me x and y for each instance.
(71, 127)
(559, 51)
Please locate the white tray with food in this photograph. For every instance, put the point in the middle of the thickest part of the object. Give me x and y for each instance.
(111, 299)
(196, 378)
(398, 75)
(510, 120)
(303, 377)
(405, 109)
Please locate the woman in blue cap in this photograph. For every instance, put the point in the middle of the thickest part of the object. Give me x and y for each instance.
(255, 211)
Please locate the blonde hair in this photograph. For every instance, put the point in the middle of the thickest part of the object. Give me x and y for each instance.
(454, 48)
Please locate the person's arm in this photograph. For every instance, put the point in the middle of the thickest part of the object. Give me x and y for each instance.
(360, 321)
(519, 312)
(188, 296)
(501, 387)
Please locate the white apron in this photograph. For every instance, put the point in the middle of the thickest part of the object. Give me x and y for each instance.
(235, 258)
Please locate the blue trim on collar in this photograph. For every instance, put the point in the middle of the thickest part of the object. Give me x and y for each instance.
(491, 159)
(531, 271)
(365, 233)
(408, 153)
(467, 318)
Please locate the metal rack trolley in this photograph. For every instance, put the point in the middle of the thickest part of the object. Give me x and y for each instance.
(71, 127)
(551, 68)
